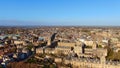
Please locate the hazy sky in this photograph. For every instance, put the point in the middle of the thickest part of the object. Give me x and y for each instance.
(60, 12)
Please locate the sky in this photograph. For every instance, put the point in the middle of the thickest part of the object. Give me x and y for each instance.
(60, 12)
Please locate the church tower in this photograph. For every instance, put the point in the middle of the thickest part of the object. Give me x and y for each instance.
(48, 42)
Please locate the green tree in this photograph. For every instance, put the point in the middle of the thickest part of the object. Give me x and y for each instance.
(30, 47)
(110, 55)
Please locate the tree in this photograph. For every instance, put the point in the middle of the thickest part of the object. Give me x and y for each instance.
(110, 54)
(29, 47)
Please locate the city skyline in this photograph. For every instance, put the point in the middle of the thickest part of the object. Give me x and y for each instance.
(60, 12)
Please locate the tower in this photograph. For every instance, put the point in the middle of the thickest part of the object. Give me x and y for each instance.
(49, 41)
(94, 45)
(102, 54)
(77, 49)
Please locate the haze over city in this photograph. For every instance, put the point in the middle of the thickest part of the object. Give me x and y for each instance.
(60, 12)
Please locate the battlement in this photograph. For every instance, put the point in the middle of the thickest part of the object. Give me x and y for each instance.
(91, 63)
